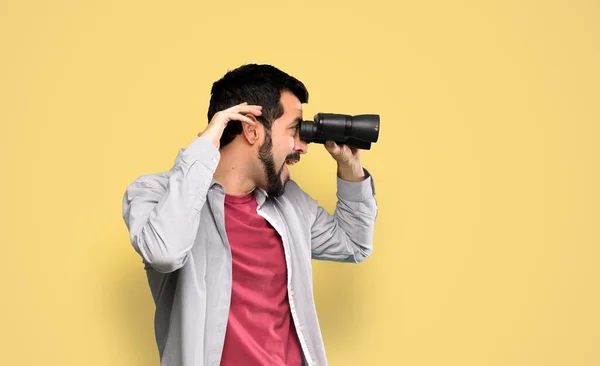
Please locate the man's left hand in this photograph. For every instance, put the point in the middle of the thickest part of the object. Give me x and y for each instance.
(348, 159)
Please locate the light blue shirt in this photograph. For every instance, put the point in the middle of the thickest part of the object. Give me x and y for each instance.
(176, 224)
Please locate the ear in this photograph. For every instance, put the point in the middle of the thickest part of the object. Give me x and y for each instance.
(252, 134)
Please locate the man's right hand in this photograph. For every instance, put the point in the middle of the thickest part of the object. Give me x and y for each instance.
(217, 124)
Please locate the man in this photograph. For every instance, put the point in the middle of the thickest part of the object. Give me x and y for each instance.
(227, 237)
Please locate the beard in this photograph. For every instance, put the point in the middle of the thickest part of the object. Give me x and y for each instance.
(275, 185)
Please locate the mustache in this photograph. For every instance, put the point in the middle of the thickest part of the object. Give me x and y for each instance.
(295, 156)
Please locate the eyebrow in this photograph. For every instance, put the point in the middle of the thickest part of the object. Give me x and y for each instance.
(297, 120)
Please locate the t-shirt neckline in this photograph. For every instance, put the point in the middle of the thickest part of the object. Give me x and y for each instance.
(244, 198)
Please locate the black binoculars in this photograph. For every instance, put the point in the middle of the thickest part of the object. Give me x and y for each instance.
(357, 131)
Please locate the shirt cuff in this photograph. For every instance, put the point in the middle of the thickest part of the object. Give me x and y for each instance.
(200, 150)
(356, 191)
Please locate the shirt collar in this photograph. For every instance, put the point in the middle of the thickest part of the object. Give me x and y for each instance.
(260, 194)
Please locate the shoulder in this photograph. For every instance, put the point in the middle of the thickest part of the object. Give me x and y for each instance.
(153, 181)
(160, 178)
(293, 192)
(296, 197)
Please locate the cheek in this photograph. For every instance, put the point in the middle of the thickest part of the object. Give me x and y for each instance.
(284, 147)
(291, 142)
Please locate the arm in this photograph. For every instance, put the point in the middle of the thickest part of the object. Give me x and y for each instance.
(347, 235)
(162, 212)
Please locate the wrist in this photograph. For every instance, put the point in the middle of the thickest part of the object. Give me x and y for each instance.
(351, 171)
(212, 137)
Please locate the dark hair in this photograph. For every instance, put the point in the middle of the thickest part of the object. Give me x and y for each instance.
(256, 84)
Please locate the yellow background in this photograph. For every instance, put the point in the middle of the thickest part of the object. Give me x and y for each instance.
(487, 241)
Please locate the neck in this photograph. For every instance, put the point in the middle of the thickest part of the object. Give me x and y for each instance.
(234, 171)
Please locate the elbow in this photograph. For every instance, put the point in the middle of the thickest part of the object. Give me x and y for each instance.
(164, 263)
(363, 246)
(159, 257)
(362, 254)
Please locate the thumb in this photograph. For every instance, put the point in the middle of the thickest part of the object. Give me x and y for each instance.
(332, 147)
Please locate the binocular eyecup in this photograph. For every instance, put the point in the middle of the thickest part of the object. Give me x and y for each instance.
(357, 131)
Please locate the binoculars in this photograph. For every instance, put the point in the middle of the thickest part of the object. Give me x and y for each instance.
(357, 131)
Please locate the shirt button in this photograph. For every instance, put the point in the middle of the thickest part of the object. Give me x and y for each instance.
(291, 292)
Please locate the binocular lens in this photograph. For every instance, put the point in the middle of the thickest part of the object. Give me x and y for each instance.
(358, 131)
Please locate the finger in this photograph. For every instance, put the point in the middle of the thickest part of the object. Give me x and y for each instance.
(244, 107)
(239, 117)
(255, 110)
(236, 107)
(332, 147)
(248, 109)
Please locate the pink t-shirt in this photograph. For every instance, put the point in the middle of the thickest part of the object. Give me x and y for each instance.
(260, 329)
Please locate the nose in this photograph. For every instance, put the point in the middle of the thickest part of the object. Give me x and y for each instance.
(300, 144)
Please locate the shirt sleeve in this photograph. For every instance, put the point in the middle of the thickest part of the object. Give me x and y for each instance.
(162, 211)
(347, 234)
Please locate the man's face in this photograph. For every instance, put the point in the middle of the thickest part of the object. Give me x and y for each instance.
(282, 146)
